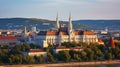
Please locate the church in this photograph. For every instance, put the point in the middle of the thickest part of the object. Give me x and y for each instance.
(64, 34)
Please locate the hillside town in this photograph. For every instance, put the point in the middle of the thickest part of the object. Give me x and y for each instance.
(47, 46)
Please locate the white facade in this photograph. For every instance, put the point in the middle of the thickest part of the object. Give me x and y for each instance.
(46, 38)
(35, 52)
(34, 29)
(63, 48)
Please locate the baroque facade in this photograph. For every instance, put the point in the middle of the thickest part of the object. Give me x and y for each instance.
(64, 34)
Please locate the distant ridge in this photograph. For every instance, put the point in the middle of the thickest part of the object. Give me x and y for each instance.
(18, 23)
(101, 24)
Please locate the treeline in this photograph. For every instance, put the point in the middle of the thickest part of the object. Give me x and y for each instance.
(14, 56)
(92, 52)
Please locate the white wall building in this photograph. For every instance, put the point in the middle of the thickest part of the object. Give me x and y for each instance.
(35, 52)
(63, 48)
(34, 29)
(64, 34)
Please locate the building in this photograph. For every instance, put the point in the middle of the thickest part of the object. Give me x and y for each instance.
(104, 31)
(115, 34)
(5, 32)
(100, 42)
(34, 29)
(64, 34)
(112, 42)
(7, 39)
(35, 52)
(62, 48)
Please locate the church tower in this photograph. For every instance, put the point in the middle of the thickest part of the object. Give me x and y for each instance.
(25, 31)
(70, 30)
(57, 22)
(112, 43)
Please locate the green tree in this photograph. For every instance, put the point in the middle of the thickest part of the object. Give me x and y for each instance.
(50, 57)
(83, 55)
(72, 52)
(10, 60)
(41, 59)
(109, 56)
(64, 56)
(90, 54)
(29, 60)
(76, 57)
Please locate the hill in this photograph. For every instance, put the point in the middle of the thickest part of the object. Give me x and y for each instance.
(18, 23)
(101, 24)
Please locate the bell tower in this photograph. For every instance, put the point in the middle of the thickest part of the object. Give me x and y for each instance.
(57, 22)
(25, 31)
(70, 29)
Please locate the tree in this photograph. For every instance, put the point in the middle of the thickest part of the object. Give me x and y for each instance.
(64, 56)
(83, 55)
(41, 59)
(102, 48)
(76, 57)
(72, 52)
(117, 44)
(29, 60)
(115, 51)
(10, 60)
(3, 46)
(109, 56)
(1, 63)
(90, 54)
(17, 47)
(50, 58)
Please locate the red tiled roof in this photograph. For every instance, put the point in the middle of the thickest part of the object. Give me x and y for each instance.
(7, 37)
(116, 40)
(36, 50)
(76, 48)
(112, 43)
(78, 32)
(61, 47)
(83, 32)
(73, 48)
(47, 33)
(51, 33)
(63, 28)
(100, 41)
(63, 33)
(88, 33)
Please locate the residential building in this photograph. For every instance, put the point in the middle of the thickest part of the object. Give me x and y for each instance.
(7, 39)
(35, 52)
(63, 48)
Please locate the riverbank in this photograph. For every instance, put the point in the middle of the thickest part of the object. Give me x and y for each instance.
(66, 64)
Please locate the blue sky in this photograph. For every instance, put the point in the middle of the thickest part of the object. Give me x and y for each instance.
(47, 9)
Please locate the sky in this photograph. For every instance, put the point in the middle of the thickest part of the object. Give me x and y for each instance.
(48, 9)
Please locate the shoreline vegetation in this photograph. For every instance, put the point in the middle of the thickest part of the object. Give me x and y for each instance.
(92, 52)
(67, 64)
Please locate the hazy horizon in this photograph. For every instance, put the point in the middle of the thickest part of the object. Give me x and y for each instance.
(47, 9)
(53, 19)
